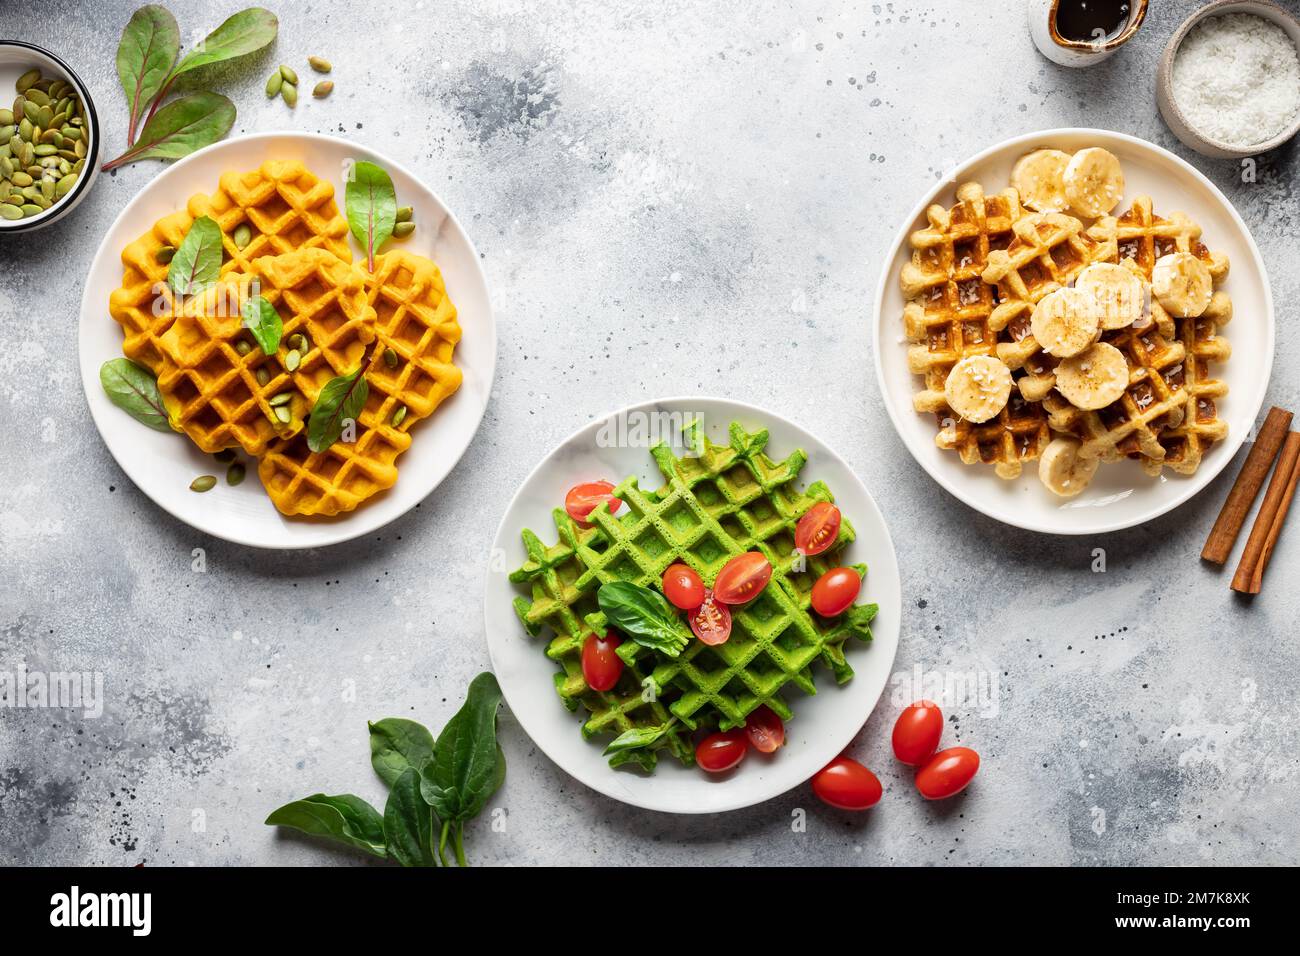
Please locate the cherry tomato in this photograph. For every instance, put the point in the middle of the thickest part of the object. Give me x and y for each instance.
(583, 499)
(719, 752)
(765, 731)
(711, 621)
(848, 785)
(818, 528)
(683, 587)
(917, 732)
(947, 773)
(835, 591)
(601, 667)
(742, 578)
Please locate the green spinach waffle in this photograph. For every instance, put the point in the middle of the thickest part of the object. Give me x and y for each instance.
(728, 500)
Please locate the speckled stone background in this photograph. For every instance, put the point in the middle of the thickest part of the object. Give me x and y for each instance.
(670, 197)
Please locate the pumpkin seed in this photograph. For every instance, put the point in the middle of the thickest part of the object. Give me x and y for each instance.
(10, 212)
(263, 376)
(399, 416)
(164, 255)
(80, 148)
(320, 64)
(298, 342)
(28, 80)
(20, 179)
(404, 213)
(403, 229)
(290, 93)
(6, 167)
(51, 136)
(31, 209)
(292, 360)
(282, 399)
(289, 75)
(63, 185)
(70, 132)
(20, 108)
(203, 483)
(243, 347)
(322, 89)
(46, 149)
(390, 358)
(283, 414)
(47, 188)
(243, 235)
(7, 132)
(35, 95)
(225, 456)
(235, 473)
(6, 117)
(43, 116)
(273, 84)
(25, 129)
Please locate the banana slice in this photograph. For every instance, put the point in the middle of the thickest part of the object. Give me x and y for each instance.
(978, 387)
(1094, 182)
(1038, 177)
(1182, 283)
(1115, 293)
(1062, 470)
(1064, 323)
(1093, 379)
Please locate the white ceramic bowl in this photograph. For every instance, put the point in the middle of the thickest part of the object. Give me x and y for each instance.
(163, 465)
(1174, 117)
(823, 724)
(16, 58)
(1121, 495)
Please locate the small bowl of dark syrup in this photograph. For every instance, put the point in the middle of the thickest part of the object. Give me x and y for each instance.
(1083, 32)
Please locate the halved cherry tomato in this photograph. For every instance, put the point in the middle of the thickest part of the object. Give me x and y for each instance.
(742, 578)
(818, 528)
(765, 731)
(683, 587)
(947, 773)
(711, 621)
(722, 751)
(835, 591)
(601, 667)
(846, 784)
(585, 498)
(917, 732)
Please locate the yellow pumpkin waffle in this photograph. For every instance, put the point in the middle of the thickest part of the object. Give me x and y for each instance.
(222, 393)
(286, 208)
(948, 318)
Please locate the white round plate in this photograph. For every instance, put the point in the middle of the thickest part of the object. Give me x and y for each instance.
(163, 465)
(1121, 495)
(824, 724)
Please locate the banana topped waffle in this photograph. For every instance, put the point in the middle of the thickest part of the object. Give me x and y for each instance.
(1107, 329)
(729, 500)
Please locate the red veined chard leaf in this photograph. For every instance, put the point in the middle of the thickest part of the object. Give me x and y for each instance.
(145, 55)
(181, 127)
(371, 204)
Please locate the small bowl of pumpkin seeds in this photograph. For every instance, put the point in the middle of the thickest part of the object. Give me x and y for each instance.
(49, 138)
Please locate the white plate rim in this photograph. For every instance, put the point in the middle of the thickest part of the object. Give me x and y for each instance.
(1207, 471)
(356, 525)
(887, 635)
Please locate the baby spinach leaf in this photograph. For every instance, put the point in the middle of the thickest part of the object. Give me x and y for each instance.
(263, 321)
(242, 33)
(345, 818)
(145, 56)
(181, 127)
(468, 766)
(409, 823)
(133, 389)
(371, 204)
(397, 745)
(643, 615)
(197, 262)
(639, 737)
(341, 399)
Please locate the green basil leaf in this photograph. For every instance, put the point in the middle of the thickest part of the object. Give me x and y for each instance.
(197, 262)
(397, 745)
(468, 766)
(371, 204)
(345, 818)
(262, 320)
(244, 32)
(341, 399)
(409, 824)
(133, 389)
(181, 127)
(639, 737)
(643, 615)
(145, 55)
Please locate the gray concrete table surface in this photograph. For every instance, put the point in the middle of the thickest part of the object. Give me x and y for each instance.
(670, 197)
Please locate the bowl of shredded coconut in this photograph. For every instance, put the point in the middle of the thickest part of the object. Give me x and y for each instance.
(1228, 84)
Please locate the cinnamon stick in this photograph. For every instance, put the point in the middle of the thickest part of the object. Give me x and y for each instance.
(1268, 523)
(1236, 508)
